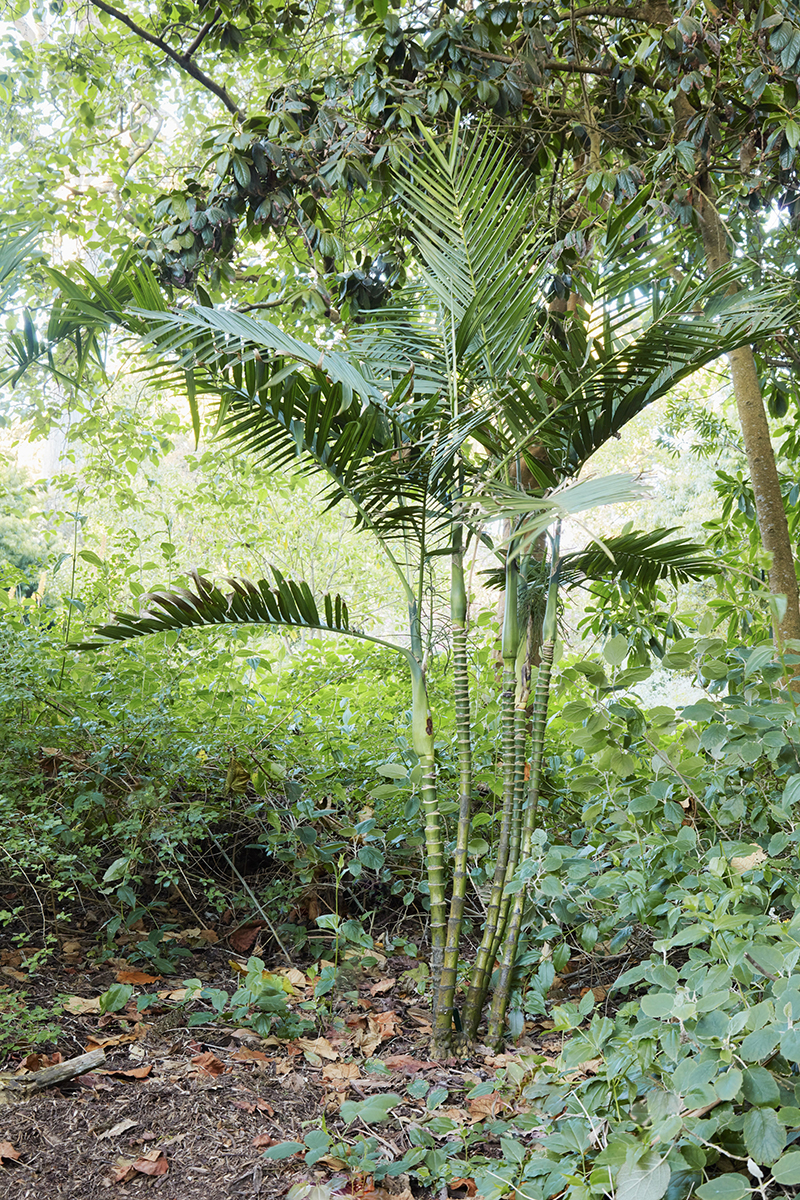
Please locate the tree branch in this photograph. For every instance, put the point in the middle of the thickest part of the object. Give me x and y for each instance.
(613, 10)
(182, 60)
(204, 32)
(549, 64)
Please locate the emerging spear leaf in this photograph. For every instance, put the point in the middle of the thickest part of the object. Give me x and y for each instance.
(535, 514)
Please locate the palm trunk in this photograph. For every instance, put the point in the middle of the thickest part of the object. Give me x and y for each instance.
(521, 721)
(423, 741)
(484, 962)
(443, 1023)
(502, 991)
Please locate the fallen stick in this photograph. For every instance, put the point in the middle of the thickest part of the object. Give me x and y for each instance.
(20, 1087)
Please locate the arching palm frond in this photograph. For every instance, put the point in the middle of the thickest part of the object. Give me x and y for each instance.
(84, 311)
(578, 391)
(216, 339)
(15, 246)
(640, 559)
(282, 602)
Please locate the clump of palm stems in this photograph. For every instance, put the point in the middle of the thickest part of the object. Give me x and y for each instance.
(426, 422)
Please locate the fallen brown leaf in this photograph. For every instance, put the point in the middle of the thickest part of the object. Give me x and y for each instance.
(152, 1162)
(340, 1072)
(129, 1073)
(133, 976)
(264, 1140)
(373, 1029)
(197, 935)
(35, 1062)
(123, 1172)
(483, 1108)
(382, 986)
(80, 1005)
(93, 1081)
(208, 1063)
(296, 978)
(245, 1055)
(421, 1017)
(8, 1151)
(388, 1023)
(407, 1064)
(121, 1127)
(294, 1082)
(501, 1060)
(120, 1039)
(13, 973)
(453, 1113)
(468, 1186)
(319, 1047)
(243, 938)
(335, 1164)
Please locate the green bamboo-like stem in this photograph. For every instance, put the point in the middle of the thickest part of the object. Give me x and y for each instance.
(443, 1023)
(520, 740)
(541, 702)
(484, 961)
(423, 742)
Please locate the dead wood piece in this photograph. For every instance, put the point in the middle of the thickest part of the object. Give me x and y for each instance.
(20, 1087)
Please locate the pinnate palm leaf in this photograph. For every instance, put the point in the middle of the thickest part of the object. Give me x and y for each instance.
(578, 391)
(470, 216)
(282, 602)
(641, 559)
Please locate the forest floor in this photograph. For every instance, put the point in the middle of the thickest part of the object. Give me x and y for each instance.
(186, 1111)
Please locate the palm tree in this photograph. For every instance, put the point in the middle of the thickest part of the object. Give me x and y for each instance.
(426, 423)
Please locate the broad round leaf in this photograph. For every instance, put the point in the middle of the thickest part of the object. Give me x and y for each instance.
(764, 1135)
(787, 1168)
(647, 1179)
(371, 1111)
(726, 1187)
(760, 1088)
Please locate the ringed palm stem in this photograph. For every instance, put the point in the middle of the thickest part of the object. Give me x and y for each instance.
(520, 740)
(442, 1031)
(482, 970)
(423, 742)
(502, 992)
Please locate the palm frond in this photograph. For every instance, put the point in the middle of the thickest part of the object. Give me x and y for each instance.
(220, 339)
(580, 390)
(470, 217)
(282, 602)
(15, 246)
(536, 514)
(84, 310)
(641, 559)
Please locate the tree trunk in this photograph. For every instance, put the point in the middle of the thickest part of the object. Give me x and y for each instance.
(770, 512)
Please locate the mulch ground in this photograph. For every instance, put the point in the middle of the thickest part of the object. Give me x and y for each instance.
(185, 1113)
